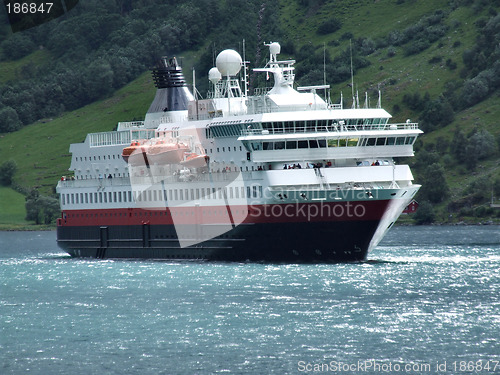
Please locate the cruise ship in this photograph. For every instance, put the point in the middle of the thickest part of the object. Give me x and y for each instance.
(282, 175)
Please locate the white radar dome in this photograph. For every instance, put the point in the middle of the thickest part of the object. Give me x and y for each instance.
(275, 48)
(228, 62)
(214, 75)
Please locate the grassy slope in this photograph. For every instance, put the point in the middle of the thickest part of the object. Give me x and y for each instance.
(10, 70)
(12, 210)
(41, 150)
(375, 20)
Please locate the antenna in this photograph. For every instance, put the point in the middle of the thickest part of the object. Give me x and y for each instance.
(245, 78)
(324, 69)
(213, 54)
(324, 64)
(379, 103)
(194, 85)
(352, 74)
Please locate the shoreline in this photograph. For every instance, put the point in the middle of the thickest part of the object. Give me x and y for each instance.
(26, 227)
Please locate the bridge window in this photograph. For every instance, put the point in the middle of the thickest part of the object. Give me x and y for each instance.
(352, 142)
(289, 126)
(278, 127)
(333, 143)
(400, 141)
(313, 143)
(311, 125)
(371, 142)
(380, 141)
(322, 125)
(390, 141)
(302, 144)
(279, 145)
(291, 145)
(409, 140)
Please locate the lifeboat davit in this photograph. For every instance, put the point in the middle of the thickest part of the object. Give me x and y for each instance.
(167, 152)
(136, 154)
(194, 160)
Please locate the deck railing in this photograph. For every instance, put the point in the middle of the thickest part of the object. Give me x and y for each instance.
(332, 129)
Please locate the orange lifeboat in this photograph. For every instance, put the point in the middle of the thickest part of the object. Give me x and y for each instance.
(167, 152)
(136, 154)
(194, 160)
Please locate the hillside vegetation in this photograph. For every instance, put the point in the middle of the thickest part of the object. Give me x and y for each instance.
(436, 62)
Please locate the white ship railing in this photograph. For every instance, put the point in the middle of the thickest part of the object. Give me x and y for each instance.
(333, 129)
(103, 183)
(94, 182)
(130, 124)
(122, 137)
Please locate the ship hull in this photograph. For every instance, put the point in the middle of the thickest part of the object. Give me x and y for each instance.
(270, 242)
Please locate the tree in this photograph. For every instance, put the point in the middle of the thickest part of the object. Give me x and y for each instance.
(17, 46)
(480, 146)
(41, 208)
(7, 171)
(458, 145)
(9, 120)
(436, 113)
(329, 26)
(434, 186)
(425, 214)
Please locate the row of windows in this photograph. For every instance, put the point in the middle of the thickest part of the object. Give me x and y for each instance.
(231, 130)
(321, 125)
(254, 191)
(234, 130)
(224, 149)
(331, 143)
(98, 157)
(98, 197)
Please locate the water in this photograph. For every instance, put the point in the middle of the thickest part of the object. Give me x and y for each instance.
(427, 295)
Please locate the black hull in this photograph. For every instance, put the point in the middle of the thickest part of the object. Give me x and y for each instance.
(321, 242)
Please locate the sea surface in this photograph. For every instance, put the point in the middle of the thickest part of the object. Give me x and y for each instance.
(426, 301)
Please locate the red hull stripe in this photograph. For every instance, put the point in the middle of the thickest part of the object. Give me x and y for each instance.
(270, 213)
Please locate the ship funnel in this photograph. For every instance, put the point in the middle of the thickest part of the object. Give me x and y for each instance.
(167, 73)
(172, 96)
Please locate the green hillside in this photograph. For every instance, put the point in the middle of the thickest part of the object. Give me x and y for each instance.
(41, 150)
(12, 204)
(422, 56)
